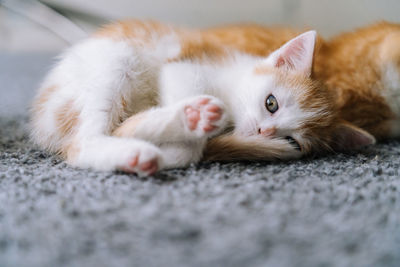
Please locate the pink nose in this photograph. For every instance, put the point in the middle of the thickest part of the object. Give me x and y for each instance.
(267, 132)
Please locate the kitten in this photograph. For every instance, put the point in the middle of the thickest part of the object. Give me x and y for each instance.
(143, 96)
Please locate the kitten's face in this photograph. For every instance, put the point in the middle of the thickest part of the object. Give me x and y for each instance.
(284, 105)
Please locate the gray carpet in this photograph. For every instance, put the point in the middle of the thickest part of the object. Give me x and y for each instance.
(341, 210)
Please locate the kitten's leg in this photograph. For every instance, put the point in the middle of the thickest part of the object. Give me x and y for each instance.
(191, 119)
(81, 102)
(177, 155)
(111, 153)
(180, 130)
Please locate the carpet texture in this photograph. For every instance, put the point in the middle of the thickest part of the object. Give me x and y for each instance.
(341, 210)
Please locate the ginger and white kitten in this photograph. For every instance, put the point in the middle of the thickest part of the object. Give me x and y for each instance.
(143, 96)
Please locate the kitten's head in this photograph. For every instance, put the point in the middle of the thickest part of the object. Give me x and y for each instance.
(283, 102)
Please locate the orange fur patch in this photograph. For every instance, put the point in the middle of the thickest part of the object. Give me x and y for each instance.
(67, 118)
(264, 70)
(71, 152)
(251, 39)
(133, 30)
(42, 99)
(351, 68)
(200, 48)
(127, 128)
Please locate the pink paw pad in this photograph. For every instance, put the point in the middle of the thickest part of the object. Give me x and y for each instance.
(193, 117)
(134, 162)
(203, 110)
(149, 167)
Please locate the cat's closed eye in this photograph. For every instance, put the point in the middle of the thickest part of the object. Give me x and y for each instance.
(293, 142)
(271, 104)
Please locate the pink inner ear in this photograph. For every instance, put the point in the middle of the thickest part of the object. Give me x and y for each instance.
(291, 55)
(280, 62)
(297, 54)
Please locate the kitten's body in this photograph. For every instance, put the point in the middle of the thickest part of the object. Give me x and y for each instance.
(162, 92)
(362, 70)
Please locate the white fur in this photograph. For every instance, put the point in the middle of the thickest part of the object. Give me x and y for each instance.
(96, 73)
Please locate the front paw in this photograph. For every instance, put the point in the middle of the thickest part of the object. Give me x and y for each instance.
(205, 116)
(143, 161)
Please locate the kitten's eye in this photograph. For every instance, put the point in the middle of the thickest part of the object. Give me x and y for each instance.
(271, 104)
(293, 142)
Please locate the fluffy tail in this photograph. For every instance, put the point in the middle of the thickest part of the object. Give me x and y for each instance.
(233, 148)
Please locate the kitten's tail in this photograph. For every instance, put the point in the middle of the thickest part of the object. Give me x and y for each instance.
(233, 148)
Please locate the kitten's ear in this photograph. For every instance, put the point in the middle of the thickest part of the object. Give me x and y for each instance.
(296, 55)
(350, 137)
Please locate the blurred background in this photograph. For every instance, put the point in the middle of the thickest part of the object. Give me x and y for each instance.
(50, 25)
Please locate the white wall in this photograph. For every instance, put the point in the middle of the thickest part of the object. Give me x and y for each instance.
(327, 16)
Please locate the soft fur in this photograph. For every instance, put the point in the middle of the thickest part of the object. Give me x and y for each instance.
(143, 96)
